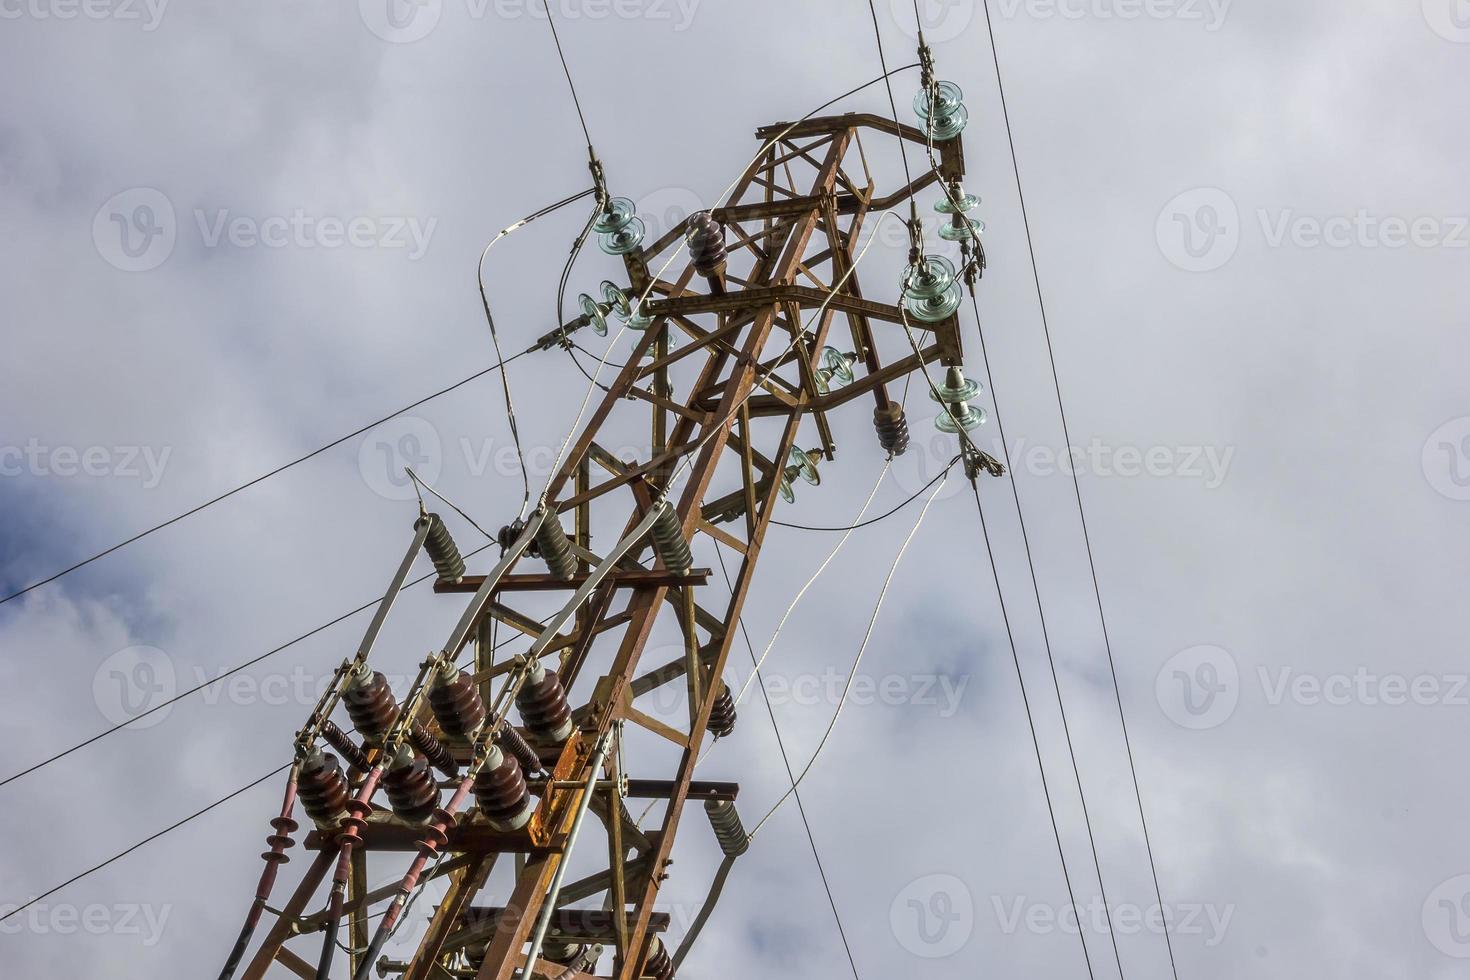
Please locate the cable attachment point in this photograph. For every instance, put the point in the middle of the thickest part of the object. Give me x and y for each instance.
(599, 179)
(978, 461)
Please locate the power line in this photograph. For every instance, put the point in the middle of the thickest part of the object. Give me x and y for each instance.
(568, 72)
(1076, 485)
(263, 477)
(874, 520)
(145, 841)
(892, 103)
(790, 773)
(210, 683)
(1031, 724)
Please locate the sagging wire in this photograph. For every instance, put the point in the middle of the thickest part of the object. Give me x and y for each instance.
(857, 662)
(420, 482)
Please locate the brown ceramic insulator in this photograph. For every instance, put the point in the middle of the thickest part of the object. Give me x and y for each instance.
(544, 708)
(556, 548)
(457, 705)
(433, 750)
(722, 715)
(370, 705)
(512, 742)
(322, 788)
(411, 790)
(706, 244)
(500, 789)
(659, 965)
(893, 429)
(345, 746)
(561, 952)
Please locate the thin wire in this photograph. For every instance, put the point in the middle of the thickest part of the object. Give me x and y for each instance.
(874, 520)
(847, 688)
(145, 841)
(419, 481)
(892, 105)
(1031, 724)
(1076, 485)
(233, 670)
(790, 773)
(809, 583)
(265, 476)
(636, 306)
(568, 72)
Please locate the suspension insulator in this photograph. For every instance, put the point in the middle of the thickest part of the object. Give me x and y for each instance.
(556, 548)
(345, 746)
(411, 789)
(729, 831)
(456, 703)
(893, 428)
(706, 244)
(500, 789)
(514, 743)
(370, 703)
(658, 965)
(722, 715)
(433, 749)
(544, 707)
(322, 788)
(443, 552)
(669, 541)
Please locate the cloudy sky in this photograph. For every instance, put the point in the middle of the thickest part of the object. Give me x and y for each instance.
(235, 232)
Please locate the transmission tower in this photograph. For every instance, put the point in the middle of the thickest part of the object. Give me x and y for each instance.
(733, 356)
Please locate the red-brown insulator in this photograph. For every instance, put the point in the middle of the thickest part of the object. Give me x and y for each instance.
(562, 952)
(433, 750)
(893, 428)
(500, 789)
(544, 707)
(345, 746)
(722, 715)
(658, 965)
(370, 704)
(411, 790)
(706, 244)
(512, 742)
(457, 705)
(322, 788)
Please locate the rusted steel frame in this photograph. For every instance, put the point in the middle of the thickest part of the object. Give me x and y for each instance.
(805, 295)
(740, 442)
(628, 475)
(847, 121)
(809, 375)
(723, 536)
(761, 407)
(617, 390)
(861, 331)
(357, 920)
(644, 904)
(778, 158)
(740, 385)
(677, 233)
(803, 154)
(816, 280)
(313, 922)
(771, 185)
(511, 932)
(926, 179)
(716, 338)
(465, 887)
(593, 925)
(282, 930)
(617, 852)
(751, 240)
(546, 582)
(662, 405)
(296, 964)
(649, 723)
